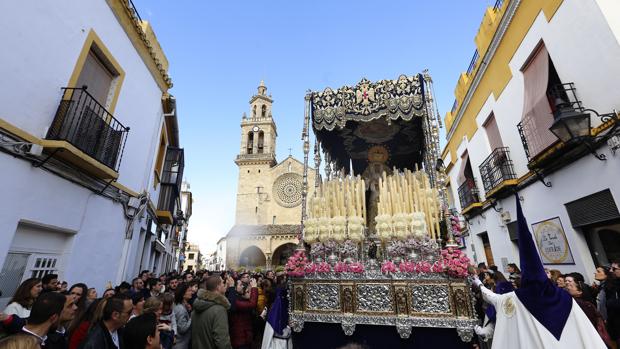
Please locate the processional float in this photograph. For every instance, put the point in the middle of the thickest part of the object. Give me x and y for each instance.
(376, 245)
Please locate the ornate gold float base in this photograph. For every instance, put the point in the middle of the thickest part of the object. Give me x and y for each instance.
(403, 301)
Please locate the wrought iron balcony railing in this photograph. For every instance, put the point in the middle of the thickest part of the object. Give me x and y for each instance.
(87, 125)
(534, 128)
(496, 169)
(174, 165)
(468, 193)
(168, 196)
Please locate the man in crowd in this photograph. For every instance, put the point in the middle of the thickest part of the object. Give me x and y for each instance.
(105, 334)
(57, 336)
(172, 285)
(44, 315)
(154, 287)
(612, 294)
(142, 332)
(137, 285)
(144, 275)
(210, 317)
(50, 283)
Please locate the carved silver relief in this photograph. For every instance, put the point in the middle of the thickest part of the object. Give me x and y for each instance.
(430, 299)
(466, 334)
(324, 297)
(374, 298)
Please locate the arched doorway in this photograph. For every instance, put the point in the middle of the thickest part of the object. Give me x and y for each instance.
(252, 257)
(282, 253)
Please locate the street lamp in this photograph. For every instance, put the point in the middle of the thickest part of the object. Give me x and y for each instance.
(573, 125)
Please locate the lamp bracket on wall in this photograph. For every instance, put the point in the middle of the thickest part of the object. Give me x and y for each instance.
(493, 204)
(541, 178)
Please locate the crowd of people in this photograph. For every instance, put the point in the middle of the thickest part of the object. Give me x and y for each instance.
(172, 311)
(227, 309)
(600, 301)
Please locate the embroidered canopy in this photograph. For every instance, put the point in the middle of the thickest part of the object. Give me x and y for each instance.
(389, 113)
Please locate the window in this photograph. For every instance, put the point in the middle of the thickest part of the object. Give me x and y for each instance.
(161, 153)
(250, 143)
(263, 112)
(274, 220)
(191, 256)
(261, 140)
(41, 265)
(466, 173)
(490, 127)
(254, 112)
(539, 77)
(97, 68)
(97, 77)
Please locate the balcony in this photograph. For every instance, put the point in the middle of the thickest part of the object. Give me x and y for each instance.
(170, 185)
(86, 135)
(468, 197)
(497, 172)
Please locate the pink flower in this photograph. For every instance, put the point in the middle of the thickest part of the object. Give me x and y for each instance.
(340, 267)
(388, 267)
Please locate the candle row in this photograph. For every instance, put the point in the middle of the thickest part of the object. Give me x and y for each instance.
(340, 197)
(409, 192)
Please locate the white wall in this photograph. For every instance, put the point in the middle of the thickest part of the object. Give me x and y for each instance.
(584, 50)
(42, 41)
(43, 198)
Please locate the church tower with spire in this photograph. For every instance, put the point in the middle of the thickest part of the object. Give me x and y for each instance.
(269, 193)
(257, 155)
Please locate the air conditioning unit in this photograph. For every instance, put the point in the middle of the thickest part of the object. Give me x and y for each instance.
(506, 217)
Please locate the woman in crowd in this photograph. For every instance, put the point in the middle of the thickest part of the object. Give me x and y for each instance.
(77, 334)
(154, 305)
(514, 272)
(91, 295)
(241, 334)
(23, 298)
(108, 293)
(137, 299)
(181, 310)
(575, 289)
(554, 275)
(600, 277)
(167, 317)
(79, 292)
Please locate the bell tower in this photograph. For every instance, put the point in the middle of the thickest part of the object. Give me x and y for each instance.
(257, 154)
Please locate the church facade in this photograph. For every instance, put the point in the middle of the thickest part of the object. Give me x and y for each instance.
(269, 193)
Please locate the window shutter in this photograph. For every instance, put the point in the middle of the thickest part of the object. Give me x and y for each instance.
(595, 208)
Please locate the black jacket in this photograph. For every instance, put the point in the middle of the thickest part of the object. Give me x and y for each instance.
(56, 340)
(99, 338)
(612, 293)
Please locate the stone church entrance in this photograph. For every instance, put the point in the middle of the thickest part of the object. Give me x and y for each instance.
(252, 257)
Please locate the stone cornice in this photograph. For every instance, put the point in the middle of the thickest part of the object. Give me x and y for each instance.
(135, 30)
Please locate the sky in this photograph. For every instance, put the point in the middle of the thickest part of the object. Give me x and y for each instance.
(219, 51)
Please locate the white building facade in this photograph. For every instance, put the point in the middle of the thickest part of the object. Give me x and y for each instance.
(220, 254)
(90, 175)
(534, 64)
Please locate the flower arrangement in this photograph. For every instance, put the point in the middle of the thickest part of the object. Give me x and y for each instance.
(455, 225)
(317, 248)
(340, 267)
(356, 267)
(296, 265)
(348, 248)
(396, 248)
(330, 245)
(388, 267)
(322, 267)
(455, 262)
